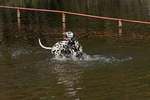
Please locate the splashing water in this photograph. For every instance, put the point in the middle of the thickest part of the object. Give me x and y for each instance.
(107, 59)
(99, 58)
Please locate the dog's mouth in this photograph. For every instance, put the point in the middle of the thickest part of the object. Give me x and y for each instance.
(65, 37)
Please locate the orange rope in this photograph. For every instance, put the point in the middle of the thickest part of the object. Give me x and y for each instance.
(71, 13)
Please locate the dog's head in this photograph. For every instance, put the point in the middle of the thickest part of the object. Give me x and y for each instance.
(68, 35)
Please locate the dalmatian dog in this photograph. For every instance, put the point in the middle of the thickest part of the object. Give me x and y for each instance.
(68, 48)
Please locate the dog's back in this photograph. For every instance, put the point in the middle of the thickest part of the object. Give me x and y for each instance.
(59, 48)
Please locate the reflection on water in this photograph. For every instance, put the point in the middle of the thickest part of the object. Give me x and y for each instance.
(68, 77)
(108, 72)
(43, 23)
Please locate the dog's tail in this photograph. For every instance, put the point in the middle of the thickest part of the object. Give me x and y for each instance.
(43, 45)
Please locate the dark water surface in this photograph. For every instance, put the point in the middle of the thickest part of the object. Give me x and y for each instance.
(116, 71)
(117, 66)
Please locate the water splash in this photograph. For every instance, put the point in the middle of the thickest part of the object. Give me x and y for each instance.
(97, 58)
(106, 59)
(20, 52)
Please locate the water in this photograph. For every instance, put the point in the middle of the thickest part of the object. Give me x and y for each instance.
(115, 68)
(112, 72)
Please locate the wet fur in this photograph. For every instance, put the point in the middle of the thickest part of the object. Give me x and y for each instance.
(66, 48)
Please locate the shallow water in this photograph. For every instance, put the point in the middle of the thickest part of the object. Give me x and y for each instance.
(108, 72)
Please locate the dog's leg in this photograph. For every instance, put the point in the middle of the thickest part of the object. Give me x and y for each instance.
(43, 45)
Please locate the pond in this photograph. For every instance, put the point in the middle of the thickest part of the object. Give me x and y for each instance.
(117, 67)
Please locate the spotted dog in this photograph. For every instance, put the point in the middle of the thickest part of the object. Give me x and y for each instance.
(68, 48)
